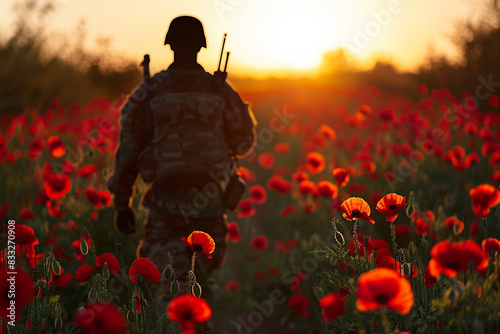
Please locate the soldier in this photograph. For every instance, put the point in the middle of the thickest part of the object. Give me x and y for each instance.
(199, 124)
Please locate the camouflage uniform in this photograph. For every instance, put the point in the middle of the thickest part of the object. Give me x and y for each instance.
(179, 206)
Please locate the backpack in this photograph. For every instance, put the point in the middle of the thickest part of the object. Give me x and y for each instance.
(188, 139)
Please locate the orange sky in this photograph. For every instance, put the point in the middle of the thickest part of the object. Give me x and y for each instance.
(271, 37)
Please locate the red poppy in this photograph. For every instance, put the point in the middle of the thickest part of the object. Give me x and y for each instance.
(355, 208)
(288, 210)
(278, 184)
(299, 303)
(381, 287)
(231, 286)
(88, 170)
(144, 267)
(258, 194)
(491, 246)
(306, 187)
(101, 318)
(200, 242)
(315, 162)
(246, 208)
(233, 232)
(246, 174)
(189, 311)
(402, 230)
(494, 159)
(57, 186)
(391, 263)
(26, 214)
(495, 177)
(327, 189)
(429, 281)
(281, 148)
(341, 176)
(300, 176)
(56, 146)
(390, 205)
(83, 273)
(472, 158)
(62, 279)
(35, 148)
(259, 242)
(483, 198)
(387, 115)
(23, 292)
(98, 198)
(266, 160)
(449, 258)
(273, 271)
(421, 227)
(361, 243)
(297, 281)
(111, 262)
(281, 246)
(332, 306)
(24, 234)
(454, 224)
(327, 132)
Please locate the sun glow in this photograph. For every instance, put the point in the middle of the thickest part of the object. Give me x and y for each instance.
(292, 36)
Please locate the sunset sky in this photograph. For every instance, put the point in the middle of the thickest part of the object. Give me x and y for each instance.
(271, 37)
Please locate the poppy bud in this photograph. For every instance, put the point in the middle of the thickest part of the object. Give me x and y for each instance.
(57, 323)
(168, 272)
(196, 289)
(56, 266)
(105, 270)
(92, 295)
(174, 288)
(130, 316)
(84, 247)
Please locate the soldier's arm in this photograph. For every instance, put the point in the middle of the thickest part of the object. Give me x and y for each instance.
(239, 124)
(131, 144)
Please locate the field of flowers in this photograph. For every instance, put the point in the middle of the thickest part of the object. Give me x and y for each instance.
(365, 212)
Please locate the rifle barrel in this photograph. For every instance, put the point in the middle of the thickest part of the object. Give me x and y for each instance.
(222, 51)
(227, 58)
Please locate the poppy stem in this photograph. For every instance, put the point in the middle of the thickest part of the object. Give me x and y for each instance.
(383, 318)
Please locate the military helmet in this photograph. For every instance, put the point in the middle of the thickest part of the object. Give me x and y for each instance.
(186, 30)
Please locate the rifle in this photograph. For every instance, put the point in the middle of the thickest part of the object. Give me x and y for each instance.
(236, 186)
(146, 76)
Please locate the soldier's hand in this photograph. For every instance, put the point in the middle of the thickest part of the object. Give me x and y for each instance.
(125, 222)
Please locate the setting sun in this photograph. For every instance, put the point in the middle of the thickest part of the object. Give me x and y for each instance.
(291, 36)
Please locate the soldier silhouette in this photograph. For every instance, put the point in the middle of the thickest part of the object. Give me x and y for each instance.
(199, 125)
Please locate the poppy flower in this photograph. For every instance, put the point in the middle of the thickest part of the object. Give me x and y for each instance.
(266, 160)
(449, 258)
(297, 281)
(111, 262)
(281, 148)
(384, 287)
(246, 208)
(327, 189)
(26, 214)
(421, 227)
(300, 176)
(332, 306)
(231, 286)
(429, 281)
(341, 176)
(144, 267)
(387, 115)
(56, 146)
(281, 246)
(315, 162)
(355, 208)
(98, 198)
(233, 232)
(200, 242)
(454, 224)
(259, 242)
(88, 170)
(57, 186)
(258, 194)
(490, 245)
(390, 205)
(299, 303)
(189, 311)
(247, 175)
(62, 279)
(327, 132)
(24, 234)
(286, 211)
(306, 187)
(35, 148)
(391, 263)
(278, 184)
(101, 318)
(402, 230)
(83, 273)
(23, 293)
(361, 242)
(484, 197)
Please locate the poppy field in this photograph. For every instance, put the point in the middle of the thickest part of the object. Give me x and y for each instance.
(366, 211)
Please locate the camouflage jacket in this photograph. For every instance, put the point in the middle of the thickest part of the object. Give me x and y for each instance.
(200, 198)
